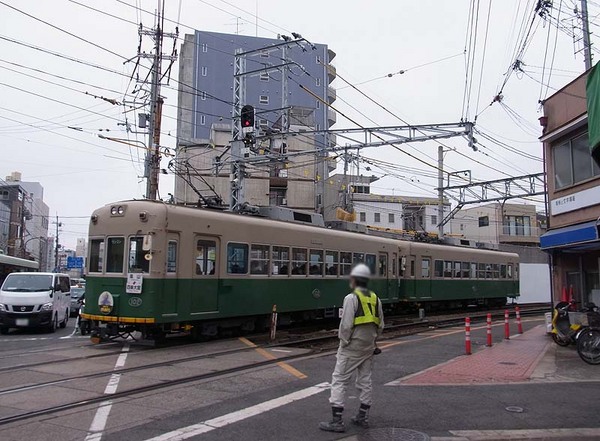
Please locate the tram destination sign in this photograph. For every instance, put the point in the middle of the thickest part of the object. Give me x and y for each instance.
(134, 283)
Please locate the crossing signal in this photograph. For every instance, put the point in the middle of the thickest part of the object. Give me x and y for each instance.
(247, 116)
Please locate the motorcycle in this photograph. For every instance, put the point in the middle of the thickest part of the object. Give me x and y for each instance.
(84, 325)
(564, 332)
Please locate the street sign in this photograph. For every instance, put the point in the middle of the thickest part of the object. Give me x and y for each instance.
(74, 262)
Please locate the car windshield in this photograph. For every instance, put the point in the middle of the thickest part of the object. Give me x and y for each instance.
(77, 292)
(27, 283)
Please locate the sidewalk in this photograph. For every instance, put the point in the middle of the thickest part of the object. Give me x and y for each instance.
(511, 361)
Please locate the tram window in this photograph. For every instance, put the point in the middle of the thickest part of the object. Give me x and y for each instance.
(402, 266)
(96, 255)
(495, 271)
(237, 258)
(345, 263)
(299, 261)
(489, 274)
(394, 257)
(331, 263)
(456, 273)
(206, 257)
(448, 269)
(137, 256)
(510, 272)
(473, 270)
(464, 267)
(481, 270)
(517, 271)
(383, 263)
(172, 256)
(259, 259)
(280, 261)
(503, 271)
(412, 268)
(438, 268)
(316, 263)
(358, 258)
(425, 268)
(371, 262)
(115, 252)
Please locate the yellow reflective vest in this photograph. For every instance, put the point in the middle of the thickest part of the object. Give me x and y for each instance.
(368, 308)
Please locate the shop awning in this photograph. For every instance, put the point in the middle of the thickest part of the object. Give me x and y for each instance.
(570, 236)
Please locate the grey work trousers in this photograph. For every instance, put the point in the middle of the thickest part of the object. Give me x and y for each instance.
(342, 374)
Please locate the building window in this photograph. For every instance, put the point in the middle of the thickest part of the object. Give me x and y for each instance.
(318, 59)
(317, 82)
(573, 162)
(202, 120)
(434, 220)
(264, 76)
(391, 219)
(318, 127)
(363, 216)
(204, 71)
(263, 99)
(318, 104)
(263, 123)
(203, 95)
(484, 221)
(264, 54)
(377, 217)
(4, 194)
(277, 196)
(204, 47)
(517, 226)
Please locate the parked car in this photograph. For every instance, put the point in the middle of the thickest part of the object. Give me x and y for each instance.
(76, 294)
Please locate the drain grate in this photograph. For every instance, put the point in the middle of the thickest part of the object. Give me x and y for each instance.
(515, 409)
(393, 434)
(509, 363)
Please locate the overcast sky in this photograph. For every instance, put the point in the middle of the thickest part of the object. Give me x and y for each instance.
(81, 172)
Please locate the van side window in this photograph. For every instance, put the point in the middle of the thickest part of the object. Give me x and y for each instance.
(206, 257)
(65, 285)
(237, 258)
(96, 255)
(115, 253)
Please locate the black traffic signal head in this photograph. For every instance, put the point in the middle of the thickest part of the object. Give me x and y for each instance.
(247, 116)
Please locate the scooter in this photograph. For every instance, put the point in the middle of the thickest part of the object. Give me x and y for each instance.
(564, 332)
(84, 325)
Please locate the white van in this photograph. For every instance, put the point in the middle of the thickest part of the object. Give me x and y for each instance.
(30, 300)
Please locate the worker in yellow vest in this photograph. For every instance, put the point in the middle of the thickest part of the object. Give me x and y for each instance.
(361, 324)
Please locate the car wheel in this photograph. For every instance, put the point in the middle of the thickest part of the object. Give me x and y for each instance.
(53, 325)
(3, 330)
(63, 324)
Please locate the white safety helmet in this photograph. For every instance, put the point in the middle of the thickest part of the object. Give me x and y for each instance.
(361, 271)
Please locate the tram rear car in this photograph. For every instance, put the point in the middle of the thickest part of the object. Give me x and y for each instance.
(158, 268)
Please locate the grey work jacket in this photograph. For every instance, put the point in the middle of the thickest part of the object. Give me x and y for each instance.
(357, 341)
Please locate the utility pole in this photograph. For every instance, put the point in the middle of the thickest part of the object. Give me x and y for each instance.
(154, 117)
(56, 246)
(440, 191)
(587, 45)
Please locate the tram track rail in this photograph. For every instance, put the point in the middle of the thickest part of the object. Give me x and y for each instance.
(316, 345)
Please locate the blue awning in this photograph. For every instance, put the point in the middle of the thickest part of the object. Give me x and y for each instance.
(570, 236)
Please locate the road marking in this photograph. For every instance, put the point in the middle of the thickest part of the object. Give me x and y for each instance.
(482, 435)
(239, 415)
(103, 411)
(283, 365)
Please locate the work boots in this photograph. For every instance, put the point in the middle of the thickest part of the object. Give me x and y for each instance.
(362, 417)
(336, 424)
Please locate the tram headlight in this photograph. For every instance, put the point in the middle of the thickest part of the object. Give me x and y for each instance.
(117, 210)
(113, 211)
(120, 210)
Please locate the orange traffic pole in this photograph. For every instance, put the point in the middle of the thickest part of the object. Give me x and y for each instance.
(506, 326)
(468, 336)
(489, 330)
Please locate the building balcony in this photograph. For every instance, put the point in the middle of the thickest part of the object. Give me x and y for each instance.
(520, 235)
(331, 94)
(331, 116)
(332, 139)
(331, 72)
(331, 54)
(331, 163)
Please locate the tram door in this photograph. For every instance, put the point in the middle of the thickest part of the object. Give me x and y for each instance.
(205, 276)
(395, 278)
(170, 297)
(423, 277)
(383, 273)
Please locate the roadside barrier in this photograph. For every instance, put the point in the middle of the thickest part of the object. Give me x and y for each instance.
(273, 323)
(506, 326)
(519, 324)
(468, 336)
(489, 331)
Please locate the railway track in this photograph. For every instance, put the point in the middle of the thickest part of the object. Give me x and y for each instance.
(320, 345)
